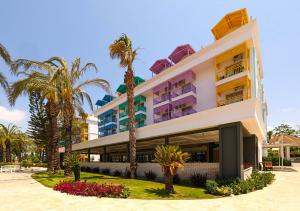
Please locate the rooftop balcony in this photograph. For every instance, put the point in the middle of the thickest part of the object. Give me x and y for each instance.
(181, 52)
(160, 65)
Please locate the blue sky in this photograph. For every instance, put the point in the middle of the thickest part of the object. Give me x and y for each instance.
(37, 30)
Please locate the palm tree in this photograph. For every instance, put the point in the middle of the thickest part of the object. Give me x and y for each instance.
(122, 50)
(41, 77)
(73, 97)
(7, 59)
(1, 146)
(171, 158)
(8, 133)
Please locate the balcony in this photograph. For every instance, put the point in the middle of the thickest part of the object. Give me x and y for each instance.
(107, 120)
(183, 112)
(108, 133)
(183, 90)
(161, 98)
(162, 118)
(137, 108)
(234, 97)
(232, 70)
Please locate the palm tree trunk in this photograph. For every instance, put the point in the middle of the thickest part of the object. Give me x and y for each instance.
(169, 183)
(1, 152)
(129, 81)
(52, 147)
(7, 149)
(68, 121)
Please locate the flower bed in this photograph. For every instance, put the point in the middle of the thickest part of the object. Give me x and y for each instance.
(237, 186)
(92, 189)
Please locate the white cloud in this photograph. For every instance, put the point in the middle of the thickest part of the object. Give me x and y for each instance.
(14, 116)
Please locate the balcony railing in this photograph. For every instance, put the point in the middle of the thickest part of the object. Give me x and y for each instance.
(184, 89)
(108, 133)
(161, 99)
(161, 119)
(231, 70)
(108, 120)
(237, 98)
(138, 125)
(189, 111)
(136, 109)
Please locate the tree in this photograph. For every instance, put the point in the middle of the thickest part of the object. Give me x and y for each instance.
(20, 145)
(171, 158)
(1, 146)
(73, 95)
(7, 59)
(41, 77)
(122, 50)
(8, 133)
(284, 128)
(270, 134)
(38, 125)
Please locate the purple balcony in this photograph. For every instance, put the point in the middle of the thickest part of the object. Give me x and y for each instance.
(160, 65)
(162, 113)
(177, 114)
(184, 89)
(162, 98)
(181, 52)
(188, 76)
(189, 100)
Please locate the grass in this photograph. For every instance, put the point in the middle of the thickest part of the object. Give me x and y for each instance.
(139, 189)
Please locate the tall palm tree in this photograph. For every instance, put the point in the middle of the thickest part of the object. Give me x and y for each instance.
(7, 59)
(122, 50)
(1, 146)
(8, 133)
(41, 77)
(73, 97)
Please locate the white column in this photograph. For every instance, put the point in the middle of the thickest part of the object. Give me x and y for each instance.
(287, 152)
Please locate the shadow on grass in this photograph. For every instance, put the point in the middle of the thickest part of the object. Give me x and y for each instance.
(161, 192)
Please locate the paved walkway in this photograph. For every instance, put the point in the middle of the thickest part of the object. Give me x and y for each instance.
(18, 191)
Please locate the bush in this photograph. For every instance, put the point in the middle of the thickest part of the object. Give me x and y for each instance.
(223, 191)
(88, 169)
(257, 181)
(96, 170)
(26, 163)
(176, 179)
(150, 175)
(198, 179)
(92, 189)
(127, 173)
(106, 171)
(211, 186)
(83, 168)
(275, 161)
(117, 173)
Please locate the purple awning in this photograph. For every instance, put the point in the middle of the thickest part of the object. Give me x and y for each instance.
(187, 75)
(160, 65)
(162, 108)
(161, 87)
(186, 100)
(180, 52)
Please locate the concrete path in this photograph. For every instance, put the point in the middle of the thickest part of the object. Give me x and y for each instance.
(18, 191)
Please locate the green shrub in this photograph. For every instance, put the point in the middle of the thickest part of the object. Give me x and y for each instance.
(198, 179)
(26, 163)
(117, 173)
(106, 171)
(224, 191)
(176, 179)
(211, 186)
(150, 175)
(95, 170)
(275, 161)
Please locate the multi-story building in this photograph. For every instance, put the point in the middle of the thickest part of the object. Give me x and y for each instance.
(209, 102)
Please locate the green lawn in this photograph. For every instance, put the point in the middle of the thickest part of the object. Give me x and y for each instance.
(139, 189)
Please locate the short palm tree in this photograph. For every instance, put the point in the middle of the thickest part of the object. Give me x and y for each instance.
(7, 59)
(122, 50)
(73, 97)
(8, 134)
(171, 158)
(41, 77)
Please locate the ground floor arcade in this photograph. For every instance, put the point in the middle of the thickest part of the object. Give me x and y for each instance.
(226, 151)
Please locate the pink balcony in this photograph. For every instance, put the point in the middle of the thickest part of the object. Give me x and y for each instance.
(181, 52)
(160, 65)
(161, 98)
(162, 113)
(161, 93)
(177, 114)
(189, 100)
(183, 90)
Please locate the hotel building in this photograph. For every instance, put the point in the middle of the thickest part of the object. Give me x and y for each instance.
(209, 102)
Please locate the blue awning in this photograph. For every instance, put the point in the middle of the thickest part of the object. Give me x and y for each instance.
(107, 113)
(108, 127)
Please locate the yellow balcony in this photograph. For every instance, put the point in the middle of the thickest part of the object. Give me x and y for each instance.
(233, 91)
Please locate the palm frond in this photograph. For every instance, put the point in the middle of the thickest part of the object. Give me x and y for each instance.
(5, 55)
(97, 82)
